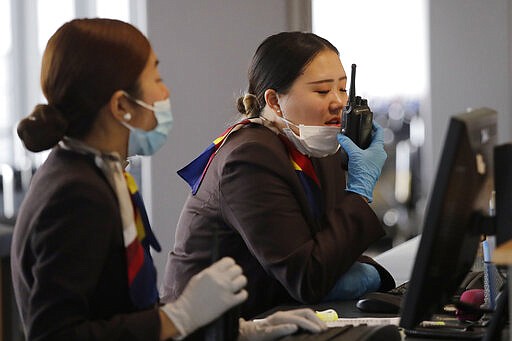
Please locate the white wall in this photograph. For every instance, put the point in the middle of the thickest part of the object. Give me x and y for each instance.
(204, 48)
(470, 66)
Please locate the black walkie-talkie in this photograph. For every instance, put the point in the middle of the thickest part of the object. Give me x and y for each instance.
(357, 117)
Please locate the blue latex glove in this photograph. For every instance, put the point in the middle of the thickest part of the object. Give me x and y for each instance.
(364, 165)
(360, 279)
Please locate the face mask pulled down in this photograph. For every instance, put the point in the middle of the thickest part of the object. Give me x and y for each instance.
(313, 141)
(143, 142)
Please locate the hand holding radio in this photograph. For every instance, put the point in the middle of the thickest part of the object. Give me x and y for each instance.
(356, 121)
(364, 165)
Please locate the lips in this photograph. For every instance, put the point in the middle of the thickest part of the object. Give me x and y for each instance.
(333, 122)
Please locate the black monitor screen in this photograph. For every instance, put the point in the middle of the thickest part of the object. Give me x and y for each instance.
(450, 235)
(503, 186)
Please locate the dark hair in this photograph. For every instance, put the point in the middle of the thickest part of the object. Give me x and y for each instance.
(277, 63)
(84, 63)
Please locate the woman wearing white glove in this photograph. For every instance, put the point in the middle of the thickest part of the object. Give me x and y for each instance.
(220, 287)
(208, 294)
(280, 324)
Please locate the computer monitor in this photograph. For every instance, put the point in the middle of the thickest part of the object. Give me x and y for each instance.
(451, 232)
(503, 186)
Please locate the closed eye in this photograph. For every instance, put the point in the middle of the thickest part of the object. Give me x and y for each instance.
(322, 92)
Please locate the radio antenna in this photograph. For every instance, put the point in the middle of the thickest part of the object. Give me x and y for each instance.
(352, 95)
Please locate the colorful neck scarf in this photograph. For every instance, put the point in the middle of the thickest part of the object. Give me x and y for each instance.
(307, 176)
(137, 233)
(138, 237)
(194, 172)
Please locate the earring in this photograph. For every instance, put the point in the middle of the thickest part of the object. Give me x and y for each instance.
(127, 116)
(278, 110)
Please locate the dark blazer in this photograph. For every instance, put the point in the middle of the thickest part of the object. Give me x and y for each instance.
(68, 258)
(253, 199)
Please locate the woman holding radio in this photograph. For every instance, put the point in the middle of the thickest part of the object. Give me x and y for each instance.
(272, 188)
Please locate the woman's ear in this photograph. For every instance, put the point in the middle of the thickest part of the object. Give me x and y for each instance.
(119, 106)
(272, 101)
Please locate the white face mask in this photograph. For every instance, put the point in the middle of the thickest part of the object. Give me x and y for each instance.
(313, 141)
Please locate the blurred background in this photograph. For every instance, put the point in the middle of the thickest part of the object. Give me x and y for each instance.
(418, 63)
(388, 43)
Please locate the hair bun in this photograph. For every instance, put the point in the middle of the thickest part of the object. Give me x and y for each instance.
(240, 105)
(248, 105)
(43, 128)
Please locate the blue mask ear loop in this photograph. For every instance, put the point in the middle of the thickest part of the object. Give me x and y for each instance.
(139, 102)
(126, 125)
(129, 127)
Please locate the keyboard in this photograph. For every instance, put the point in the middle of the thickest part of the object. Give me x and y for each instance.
(444, 333)
(350, 333)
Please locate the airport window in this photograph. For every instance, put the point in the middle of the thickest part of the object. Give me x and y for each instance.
(48, 19)
(116, 9)
(389, 46)
(5, 79)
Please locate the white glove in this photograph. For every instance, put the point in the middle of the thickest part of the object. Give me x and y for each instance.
(208, 294)
(280, 324)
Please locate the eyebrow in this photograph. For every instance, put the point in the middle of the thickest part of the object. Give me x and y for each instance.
(326, 80)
